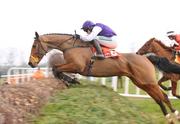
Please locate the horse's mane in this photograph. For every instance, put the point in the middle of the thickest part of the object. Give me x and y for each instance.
(162, 44)
(58, 34)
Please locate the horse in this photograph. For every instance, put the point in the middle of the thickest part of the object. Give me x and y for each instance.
(160, 49)
(78, 54)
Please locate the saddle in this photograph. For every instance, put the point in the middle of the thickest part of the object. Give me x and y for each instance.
(177, 59)
(176, 55)
(108, 53)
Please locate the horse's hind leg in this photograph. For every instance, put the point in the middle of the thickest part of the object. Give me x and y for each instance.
(156, 93)
(168, 103)
(174, 87)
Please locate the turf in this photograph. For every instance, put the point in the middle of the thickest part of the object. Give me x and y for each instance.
(94, 104)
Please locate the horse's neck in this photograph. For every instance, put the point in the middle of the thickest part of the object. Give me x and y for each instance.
(164, 51)
(69, 43)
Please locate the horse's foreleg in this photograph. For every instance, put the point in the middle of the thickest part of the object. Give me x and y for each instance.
(162, 86)
(174, 87)
(69, 67)
(57, 71)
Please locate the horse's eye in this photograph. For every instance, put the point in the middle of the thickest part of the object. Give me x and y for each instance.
(34, 46)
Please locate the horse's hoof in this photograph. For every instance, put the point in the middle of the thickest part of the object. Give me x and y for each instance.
(170, 121)
(178, 118)
(75, 81)
(167, 88)
(66, 83)
(177, 96)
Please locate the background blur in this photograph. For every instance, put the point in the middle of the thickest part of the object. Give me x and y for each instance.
(135, 22)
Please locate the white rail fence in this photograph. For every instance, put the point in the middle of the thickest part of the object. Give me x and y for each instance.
(25, 74)
(18, 74)
(128, 86)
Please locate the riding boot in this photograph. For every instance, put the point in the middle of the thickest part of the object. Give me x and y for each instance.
(99, 54)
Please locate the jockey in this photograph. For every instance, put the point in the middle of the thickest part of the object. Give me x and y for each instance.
(99, 34)
(174, 37)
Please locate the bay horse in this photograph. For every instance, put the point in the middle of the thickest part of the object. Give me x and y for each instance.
(77, 55)
(160, 49)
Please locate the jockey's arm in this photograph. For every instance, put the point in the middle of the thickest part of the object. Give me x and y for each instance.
(173, 43)
(96, 30)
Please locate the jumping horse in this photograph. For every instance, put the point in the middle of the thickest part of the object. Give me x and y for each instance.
(77, 55)
(160, 49)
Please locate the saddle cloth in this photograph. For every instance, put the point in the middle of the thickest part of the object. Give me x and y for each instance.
(177, 59)
(108, 53)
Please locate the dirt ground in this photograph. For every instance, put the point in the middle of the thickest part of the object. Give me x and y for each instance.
(18, 103)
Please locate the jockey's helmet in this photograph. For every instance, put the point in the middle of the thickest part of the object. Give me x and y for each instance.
(170, 33)
(87, 25)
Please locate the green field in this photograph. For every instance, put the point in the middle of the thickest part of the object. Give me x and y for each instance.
(91, 103)
(132, 87)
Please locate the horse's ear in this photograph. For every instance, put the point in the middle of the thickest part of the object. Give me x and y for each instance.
(37, 35)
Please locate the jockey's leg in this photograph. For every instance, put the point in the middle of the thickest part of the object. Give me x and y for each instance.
(99, 50)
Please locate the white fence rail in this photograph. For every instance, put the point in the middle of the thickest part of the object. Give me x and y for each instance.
(127, 84)
(18, 74)
(25, 74)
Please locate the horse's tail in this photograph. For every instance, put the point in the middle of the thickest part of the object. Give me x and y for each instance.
(164, 64)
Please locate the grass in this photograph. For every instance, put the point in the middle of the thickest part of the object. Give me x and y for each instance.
(94, 104)
(132, 87)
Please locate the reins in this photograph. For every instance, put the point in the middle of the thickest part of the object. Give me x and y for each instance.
(45, 51)
(60, 44)
(66, 41)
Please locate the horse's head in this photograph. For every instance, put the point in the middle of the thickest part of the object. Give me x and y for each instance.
(148, 47)
(44, 43)
(38, 50)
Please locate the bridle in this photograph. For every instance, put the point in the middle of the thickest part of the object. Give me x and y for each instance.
(40, 49)
(60, 44)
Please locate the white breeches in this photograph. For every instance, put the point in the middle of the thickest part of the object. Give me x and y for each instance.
(110, 42)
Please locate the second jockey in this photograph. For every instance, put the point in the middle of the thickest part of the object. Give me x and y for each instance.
(174, 37)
